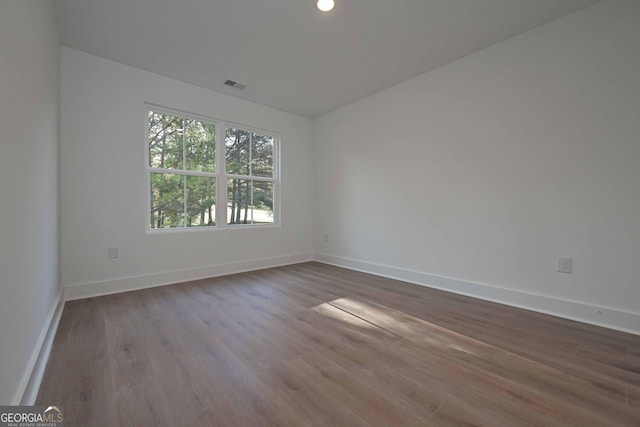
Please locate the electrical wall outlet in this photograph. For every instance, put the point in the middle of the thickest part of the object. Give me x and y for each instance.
(565, 265)
(326, 237)
(112, 253)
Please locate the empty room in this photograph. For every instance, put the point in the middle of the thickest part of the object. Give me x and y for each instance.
(320, 212)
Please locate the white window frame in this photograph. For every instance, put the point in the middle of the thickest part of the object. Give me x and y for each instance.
(220, 173)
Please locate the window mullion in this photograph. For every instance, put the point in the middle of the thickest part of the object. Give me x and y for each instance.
(181, 172)
(184, 168)
(251, 201)
(254, 178)
(221, 196)
(251, 172)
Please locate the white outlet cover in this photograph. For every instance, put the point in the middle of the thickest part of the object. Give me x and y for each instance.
(565, 265)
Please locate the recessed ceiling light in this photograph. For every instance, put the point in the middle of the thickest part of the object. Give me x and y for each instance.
(325, 5)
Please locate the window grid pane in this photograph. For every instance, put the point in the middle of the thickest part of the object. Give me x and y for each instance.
(167, 200)
(239, 202)
(261, 155)
(249, 202)
(200, 146)
(201, 201)
(238, 151)
(262, 199)
(165, 141)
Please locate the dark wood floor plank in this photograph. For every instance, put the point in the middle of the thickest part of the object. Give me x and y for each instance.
(54, 373)
(548, 343)
(633, 399)
(490, 359)
(315, 345)
(374, 406)
(87, 393)
(128, 348)
(308, 397)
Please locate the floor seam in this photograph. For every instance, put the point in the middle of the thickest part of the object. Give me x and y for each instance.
(365, 320)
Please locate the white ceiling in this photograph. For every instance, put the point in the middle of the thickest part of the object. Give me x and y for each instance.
(290, 55)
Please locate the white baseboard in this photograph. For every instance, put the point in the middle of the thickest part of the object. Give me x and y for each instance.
(610, 318)
(29, 386)
(125, 284)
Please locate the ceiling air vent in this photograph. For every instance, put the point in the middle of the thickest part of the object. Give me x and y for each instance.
(236, 85)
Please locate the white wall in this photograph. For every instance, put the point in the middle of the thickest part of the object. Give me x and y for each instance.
(104, 191)
(29, 104)
(488, 169)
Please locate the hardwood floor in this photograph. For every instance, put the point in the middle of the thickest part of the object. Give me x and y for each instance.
(311, 344)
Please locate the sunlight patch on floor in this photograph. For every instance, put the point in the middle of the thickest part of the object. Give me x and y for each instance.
(328, 310)
(368, 315)
(423, 332)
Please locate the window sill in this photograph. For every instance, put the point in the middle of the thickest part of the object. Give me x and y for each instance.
(210, 229)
